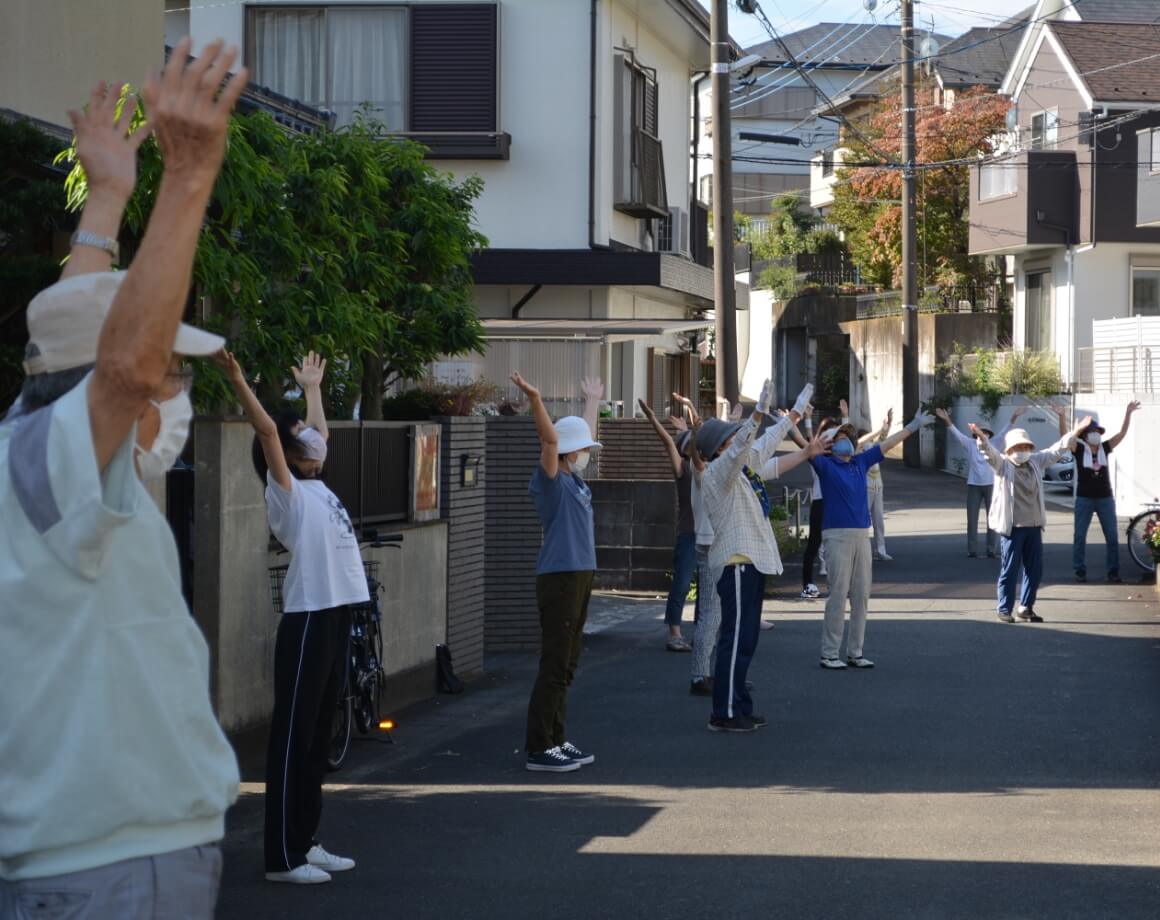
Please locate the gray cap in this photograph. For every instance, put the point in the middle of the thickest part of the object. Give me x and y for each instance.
(714, 432)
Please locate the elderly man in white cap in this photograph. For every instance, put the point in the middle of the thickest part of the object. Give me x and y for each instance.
(1018, 514)
(116, 776)
(564, 576)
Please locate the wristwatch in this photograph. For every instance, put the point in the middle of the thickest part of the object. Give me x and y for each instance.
(88, 238)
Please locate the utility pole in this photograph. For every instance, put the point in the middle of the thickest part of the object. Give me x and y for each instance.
(724, 291)
(910, 396)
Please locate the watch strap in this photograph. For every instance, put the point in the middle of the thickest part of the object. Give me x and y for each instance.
(88, 238)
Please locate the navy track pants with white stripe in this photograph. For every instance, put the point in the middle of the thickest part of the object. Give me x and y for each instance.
(309, 666)
(741, 589)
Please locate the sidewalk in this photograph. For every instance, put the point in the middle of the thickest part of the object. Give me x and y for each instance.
(980, 771)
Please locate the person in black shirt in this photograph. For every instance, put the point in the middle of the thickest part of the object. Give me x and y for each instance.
(1093, 493)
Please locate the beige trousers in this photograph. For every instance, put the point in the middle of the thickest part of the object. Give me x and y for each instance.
(851, 571)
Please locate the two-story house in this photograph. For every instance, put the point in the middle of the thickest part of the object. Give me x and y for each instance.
(578, 116)
(1069, 198)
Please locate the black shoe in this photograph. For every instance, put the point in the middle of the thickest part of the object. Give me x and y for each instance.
(700, 687)
(1027, 615)
(737, 724)
(758, 721)
(1114, 578)
(1081, 576)
(1005, 617)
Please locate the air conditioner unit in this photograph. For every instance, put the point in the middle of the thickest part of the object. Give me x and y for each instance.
(673, 232)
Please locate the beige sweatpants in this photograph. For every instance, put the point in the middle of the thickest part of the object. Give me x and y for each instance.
(851, 571)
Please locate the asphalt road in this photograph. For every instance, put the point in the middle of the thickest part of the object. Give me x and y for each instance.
(982, 770)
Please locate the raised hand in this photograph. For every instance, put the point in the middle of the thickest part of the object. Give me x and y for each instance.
(229, 365)
(1133, 406)
(694, 416)
(190, 116)
(977, 431)
(528, 390)
(678, 423)
(1019, 411)
(808, 412)
(889, 420)
(765, 400)
(311, 372)
(803, 398)
(592, 388)
(944, 416)
(1082, 424)
(647, 410)
(818, 443)
(735, 413)
(844, 408)
(106, 146)
(921, 418)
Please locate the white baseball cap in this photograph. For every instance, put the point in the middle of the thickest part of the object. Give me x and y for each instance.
(64, 324)
(573, 434)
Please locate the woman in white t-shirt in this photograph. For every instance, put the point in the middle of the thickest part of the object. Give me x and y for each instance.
(325, 576)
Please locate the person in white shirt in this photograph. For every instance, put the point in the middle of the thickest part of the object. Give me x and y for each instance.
(980, 478)
(114, 773)
(744, 549)
(324, 578)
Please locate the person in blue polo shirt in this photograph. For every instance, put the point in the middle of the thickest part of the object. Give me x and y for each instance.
(842, 474)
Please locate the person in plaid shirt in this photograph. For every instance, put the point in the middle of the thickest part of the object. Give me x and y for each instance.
(744, 550)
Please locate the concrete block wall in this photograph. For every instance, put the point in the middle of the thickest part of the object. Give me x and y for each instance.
(464, 510)
(636, 527)
(511, 619)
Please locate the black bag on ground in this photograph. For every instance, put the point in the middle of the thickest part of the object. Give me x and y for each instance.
(448, 682)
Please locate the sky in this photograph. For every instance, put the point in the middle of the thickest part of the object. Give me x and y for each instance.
(950, 18)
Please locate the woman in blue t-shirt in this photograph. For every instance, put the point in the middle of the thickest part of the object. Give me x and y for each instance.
(564, 573)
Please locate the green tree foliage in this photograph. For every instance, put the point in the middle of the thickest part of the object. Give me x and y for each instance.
(346, 242)
(867, 199)
(32, 211)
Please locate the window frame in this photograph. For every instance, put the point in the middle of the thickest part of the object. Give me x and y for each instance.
(1053, 127)
(1006, 165)
(1142, 267)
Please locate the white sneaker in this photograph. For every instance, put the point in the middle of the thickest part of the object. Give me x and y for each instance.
(305, 874)
(885, 557)
(833, 664)
(811, 591)
(860, 662)
(316, 856)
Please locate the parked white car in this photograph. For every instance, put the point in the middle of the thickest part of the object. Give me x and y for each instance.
(1060, 475)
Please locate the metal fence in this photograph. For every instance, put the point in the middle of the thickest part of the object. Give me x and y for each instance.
(1119, 369)
(980, 298)
(368, 466)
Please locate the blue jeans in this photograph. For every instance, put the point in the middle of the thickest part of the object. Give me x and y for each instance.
(1023, 548)
(742, 589)
(684, 568)
(1105, 509)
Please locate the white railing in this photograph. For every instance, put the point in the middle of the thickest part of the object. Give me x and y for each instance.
(1119, 369)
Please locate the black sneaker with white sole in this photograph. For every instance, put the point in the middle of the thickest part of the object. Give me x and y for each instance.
(552, 760)
(758, 721)
(576, 754)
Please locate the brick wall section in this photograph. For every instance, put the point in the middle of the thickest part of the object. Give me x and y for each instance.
(632, 450)
(511, 620)
(464, 509)
(636, 526)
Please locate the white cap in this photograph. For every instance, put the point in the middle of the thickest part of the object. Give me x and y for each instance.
(313, 444)
(573, 434)
(1018, 437)
(64, 324)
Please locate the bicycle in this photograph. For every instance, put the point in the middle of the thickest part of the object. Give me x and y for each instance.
(364, 679)
(1138, 527)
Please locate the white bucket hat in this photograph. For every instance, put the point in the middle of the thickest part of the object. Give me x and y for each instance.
(313, 444)
(573, 434)
(64, 324)
(1017, 437)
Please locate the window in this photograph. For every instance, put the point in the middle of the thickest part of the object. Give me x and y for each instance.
(1154, 150)
(638, 159)
(997, 180)
(1146, 291)
(827, 164)
(429, 68)
(1039, 325)
(1044, 130)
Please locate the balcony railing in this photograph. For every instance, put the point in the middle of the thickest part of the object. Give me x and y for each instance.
(1119, 369)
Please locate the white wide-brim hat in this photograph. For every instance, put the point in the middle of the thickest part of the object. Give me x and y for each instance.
(64, 325)
(573, 434)
(1018, 437)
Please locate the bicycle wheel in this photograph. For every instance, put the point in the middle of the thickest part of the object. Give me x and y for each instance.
(340, 736)
(1141, 551)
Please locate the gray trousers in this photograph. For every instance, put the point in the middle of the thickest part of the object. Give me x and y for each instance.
(976, 496)
(848, 557)
(709, 622)
(182, 885)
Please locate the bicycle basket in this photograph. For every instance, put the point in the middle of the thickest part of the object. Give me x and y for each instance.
(277, 580)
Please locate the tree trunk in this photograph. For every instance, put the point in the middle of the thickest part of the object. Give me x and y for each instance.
(371, 409)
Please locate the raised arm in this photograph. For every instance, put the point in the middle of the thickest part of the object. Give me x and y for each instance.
(107, 151)
(1114, 440)
(994, 458)
(264, 426)
(309, 378)
(779, 466)
(666, 439)
(945, 418)
(867, 439)
(921, 418)
(794, 432)
(136, 341)
(694, 416)
(593, 390)
(549, 442)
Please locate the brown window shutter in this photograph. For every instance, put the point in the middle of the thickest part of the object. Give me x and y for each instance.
(454, 77)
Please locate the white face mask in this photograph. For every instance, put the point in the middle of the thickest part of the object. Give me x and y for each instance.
(1094, 439)
(176, 414)
(1020, 456)
(580, 462)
